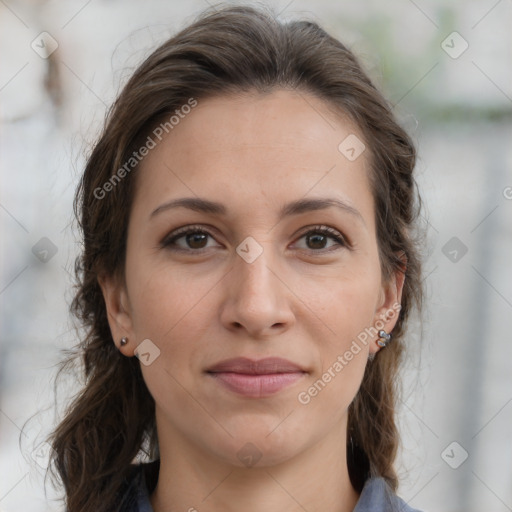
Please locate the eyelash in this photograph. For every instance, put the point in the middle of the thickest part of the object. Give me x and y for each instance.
(169, 241)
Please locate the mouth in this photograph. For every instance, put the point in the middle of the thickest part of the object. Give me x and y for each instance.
(256, 379)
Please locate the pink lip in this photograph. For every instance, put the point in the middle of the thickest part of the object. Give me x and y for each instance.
(256, 379)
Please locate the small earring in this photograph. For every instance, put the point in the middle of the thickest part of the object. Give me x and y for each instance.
(384, 338)
(124, 341)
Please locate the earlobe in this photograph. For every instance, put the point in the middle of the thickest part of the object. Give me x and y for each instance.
(389, 308)
(118, 313)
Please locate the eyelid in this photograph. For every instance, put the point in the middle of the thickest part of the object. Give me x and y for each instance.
(328, 231)
(185, 230)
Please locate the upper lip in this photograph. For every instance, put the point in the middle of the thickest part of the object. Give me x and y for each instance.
(266, 366)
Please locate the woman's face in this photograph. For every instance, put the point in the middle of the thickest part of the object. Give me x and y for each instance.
(252, 235)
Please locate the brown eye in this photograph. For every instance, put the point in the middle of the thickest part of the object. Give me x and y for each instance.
(322, 239)
(197, 240)
(316, 241)
(189, 239)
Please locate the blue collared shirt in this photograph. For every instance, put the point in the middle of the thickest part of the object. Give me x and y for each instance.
(376, 495)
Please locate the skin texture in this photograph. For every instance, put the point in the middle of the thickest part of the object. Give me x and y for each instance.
(303, 299)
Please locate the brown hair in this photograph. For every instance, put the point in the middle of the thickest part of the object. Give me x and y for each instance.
(235, 49)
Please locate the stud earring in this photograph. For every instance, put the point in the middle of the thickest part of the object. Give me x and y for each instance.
(384, 338)
(124, 341)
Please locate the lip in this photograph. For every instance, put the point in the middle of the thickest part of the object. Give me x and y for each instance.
(266, 366)
(256, 379)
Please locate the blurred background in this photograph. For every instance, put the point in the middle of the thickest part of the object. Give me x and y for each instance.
(447, 69)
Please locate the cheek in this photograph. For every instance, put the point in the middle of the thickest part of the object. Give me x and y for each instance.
(342, 349)
(175, 311)
(176, 314)
(165, 299)
(344, 353)
(344, 300)
(345, 305)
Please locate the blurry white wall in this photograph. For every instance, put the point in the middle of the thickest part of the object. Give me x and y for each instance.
(447, 69)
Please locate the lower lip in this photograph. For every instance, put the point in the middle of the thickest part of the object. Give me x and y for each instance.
(257, 386)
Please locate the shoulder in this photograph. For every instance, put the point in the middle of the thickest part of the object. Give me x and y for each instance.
(377, 496)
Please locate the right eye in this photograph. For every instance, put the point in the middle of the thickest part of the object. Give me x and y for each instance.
(189, 238)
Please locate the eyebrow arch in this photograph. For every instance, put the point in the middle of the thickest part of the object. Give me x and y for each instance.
(315, 204)
(294, 208)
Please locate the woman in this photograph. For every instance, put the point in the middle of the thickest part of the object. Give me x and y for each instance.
(247, 217)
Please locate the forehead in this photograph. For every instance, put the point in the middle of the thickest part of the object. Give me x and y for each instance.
(279, 146)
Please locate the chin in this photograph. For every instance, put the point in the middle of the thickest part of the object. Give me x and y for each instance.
(262, 445)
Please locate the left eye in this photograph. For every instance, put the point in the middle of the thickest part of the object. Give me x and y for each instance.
(317, 239)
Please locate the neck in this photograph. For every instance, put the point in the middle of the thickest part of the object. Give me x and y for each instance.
(316, 479)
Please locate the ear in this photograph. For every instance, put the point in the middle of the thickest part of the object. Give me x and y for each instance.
(390, 297)
(118, 313)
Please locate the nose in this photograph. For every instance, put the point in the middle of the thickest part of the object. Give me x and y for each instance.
(258, 300)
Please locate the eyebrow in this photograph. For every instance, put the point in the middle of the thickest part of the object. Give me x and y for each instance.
(200, 205)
